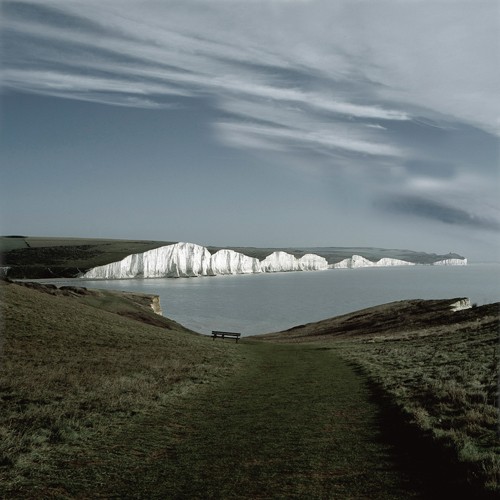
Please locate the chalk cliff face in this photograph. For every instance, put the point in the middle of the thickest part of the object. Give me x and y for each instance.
(279, 262)
(312, 262)
(231, 262)
(282, 261)
(188, 260)
(353, 262)
(357, 261)
(387, 262)
(171, 261)
(451, 262)
(176, 261)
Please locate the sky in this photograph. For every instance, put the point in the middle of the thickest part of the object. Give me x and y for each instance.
(267, 123)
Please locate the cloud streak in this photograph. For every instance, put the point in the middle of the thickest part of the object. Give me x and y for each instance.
(140, 60)
(433, 62)
(297, 139)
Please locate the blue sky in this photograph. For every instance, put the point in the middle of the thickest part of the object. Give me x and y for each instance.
(258, 123)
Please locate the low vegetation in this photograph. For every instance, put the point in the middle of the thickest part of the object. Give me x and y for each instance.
(78, 366)
(101, 397)
(439, 367)
(447, 386)
(39, 257)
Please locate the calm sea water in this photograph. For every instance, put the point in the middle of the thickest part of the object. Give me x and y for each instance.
(262, 303)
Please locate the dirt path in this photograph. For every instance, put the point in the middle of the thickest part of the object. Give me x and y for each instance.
(298, 423)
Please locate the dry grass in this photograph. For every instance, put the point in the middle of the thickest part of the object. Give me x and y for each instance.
(71, 373)
(89, 381)
(447, 385)
(441, 369)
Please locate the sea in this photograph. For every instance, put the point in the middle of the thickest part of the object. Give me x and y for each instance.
(269, 302)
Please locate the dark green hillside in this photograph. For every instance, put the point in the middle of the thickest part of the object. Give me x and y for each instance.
(37, 257)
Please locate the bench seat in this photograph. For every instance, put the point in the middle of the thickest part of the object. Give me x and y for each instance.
(230, 335)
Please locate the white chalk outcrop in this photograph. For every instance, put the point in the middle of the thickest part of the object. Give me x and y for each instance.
(353, 262)
(312, 262)
(279, 262)
(171, 261)
(231, 262)
(451, 262)
(388, 262)
(188, 260)
(460, 305)
(357, 261)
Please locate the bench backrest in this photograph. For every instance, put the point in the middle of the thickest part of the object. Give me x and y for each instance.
(225, 334)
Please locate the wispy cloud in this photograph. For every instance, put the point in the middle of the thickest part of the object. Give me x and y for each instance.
(294, 138)
(57, 81)
(150, 57)
(440, 61)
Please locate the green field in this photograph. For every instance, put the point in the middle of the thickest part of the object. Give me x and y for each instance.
(40, 257)
(103, 398)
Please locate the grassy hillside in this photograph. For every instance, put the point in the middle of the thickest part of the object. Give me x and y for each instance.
(37, 257)
(103, 398)
(439, 367)
(77, 367)
(44, 257)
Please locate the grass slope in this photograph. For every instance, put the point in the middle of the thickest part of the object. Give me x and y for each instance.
(439, 367)
(102, 398)
(296, 423)
(76, 368)
(44, 257)
(39, 257)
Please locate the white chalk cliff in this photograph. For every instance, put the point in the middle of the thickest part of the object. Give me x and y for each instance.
(279, 262)
(312, 262)
(188, 260)
(231, 262)
(353, 262)
(282, 261)
(387, 262)
(171, 261)
(357, 261)
(451, 262)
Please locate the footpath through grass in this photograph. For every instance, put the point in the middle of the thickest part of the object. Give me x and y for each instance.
(297, 422)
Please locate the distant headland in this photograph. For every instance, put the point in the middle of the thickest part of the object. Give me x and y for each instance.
(45, 257)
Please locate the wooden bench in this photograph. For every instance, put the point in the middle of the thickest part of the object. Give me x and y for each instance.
(230, 335)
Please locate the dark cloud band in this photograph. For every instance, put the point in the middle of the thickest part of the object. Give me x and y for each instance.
(434, 210)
